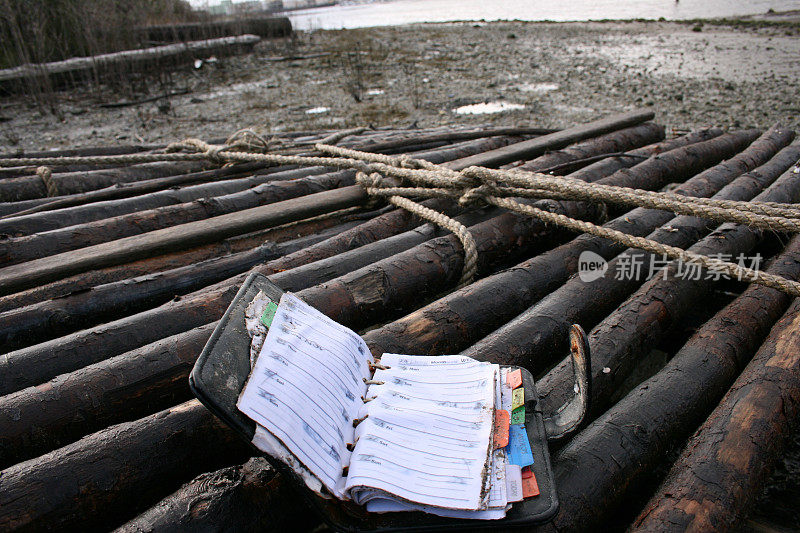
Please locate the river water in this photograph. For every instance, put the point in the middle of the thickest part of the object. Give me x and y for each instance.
(393, 13)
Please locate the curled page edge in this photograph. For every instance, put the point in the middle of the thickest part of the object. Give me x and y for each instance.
(268, 443)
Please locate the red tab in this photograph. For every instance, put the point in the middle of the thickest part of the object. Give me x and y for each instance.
(527, 472)
(529, 486)
(514, 378)
(501, 421)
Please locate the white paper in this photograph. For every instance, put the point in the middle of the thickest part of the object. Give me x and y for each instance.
(306, 388)
(427, 437)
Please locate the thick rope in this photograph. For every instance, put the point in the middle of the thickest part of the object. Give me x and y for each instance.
(476, 185)
(46, 173)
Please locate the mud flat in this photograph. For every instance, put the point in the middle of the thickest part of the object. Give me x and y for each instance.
(733, 74)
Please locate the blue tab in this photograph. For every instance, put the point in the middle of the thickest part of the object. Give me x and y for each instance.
(519, 448)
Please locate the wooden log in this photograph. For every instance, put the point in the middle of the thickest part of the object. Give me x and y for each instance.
(473, 312)
(128, 190)
(149, 378)
(121, 470)
(538, 146)
(85, 151)
(97, 209)
(389, 146)
(267, 27)
(637, 432)
(381, 290)
(31, 187)
(641, 430)
(647, 316)
(46, 320)
(610, 165)
(198, 309)
(31, 366)
(19, 78)
(727, 461)
(20, 249)
(615, 141)
(533, 338)
(92, 233)
(248, 497)
(50, 319)
(25, 275)
(239, 243)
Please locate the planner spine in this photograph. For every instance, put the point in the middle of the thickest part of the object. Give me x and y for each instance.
(356, 421)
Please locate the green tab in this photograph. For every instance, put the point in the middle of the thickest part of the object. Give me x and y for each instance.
(518, 415)
(269, 314)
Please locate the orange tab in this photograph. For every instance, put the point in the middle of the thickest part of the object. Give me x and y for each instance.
(529, 486)
(501, 422)
(527, 472)
(514, 378)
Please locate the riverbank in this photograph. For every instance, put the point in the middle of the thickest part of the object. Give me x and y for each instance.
(547, 74)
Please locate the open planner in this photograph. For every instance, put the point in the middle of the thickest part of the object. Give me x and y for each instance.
(396, 434)
(395, 443)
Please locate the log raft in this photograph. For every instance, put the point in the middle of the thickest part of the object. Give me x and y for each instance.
(109, 407)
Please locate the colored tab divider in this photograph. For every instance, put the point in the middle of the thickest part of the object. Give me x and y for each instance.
(517, 398)
(514, 378)
(519, 448)
(502, 423)
(530, 487)
(514, 483)
(269, 313)
(518, 415)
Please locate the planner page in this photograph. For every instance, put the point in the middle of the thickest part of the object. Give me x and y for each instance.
(306, 388)
(426, 437)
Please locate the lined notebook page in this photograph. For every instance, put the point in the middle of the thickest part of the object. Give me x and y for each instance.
(306, 388)
(427, 437)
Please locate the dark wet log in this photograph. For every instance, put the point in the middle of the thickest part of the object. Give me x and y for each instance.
(20, 249)
(87, 151)
(31, 366)
(22, 276)
(637, 432)
(267, 27)
(129, 190)
(451, 323)
(616, 141)
(251, 497)
(143, 380)
(120, 470)
(647, 316)
(149, 378)
(120, 336)
(50, 319)
(536, 336)
(91, 233)
(538, 146)
(610, 165)
(97, 210)
(641, 429)
(30, 187)
(19, 78)
(451, 136)
(725, 464)
(239, 243)
(381, 290)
